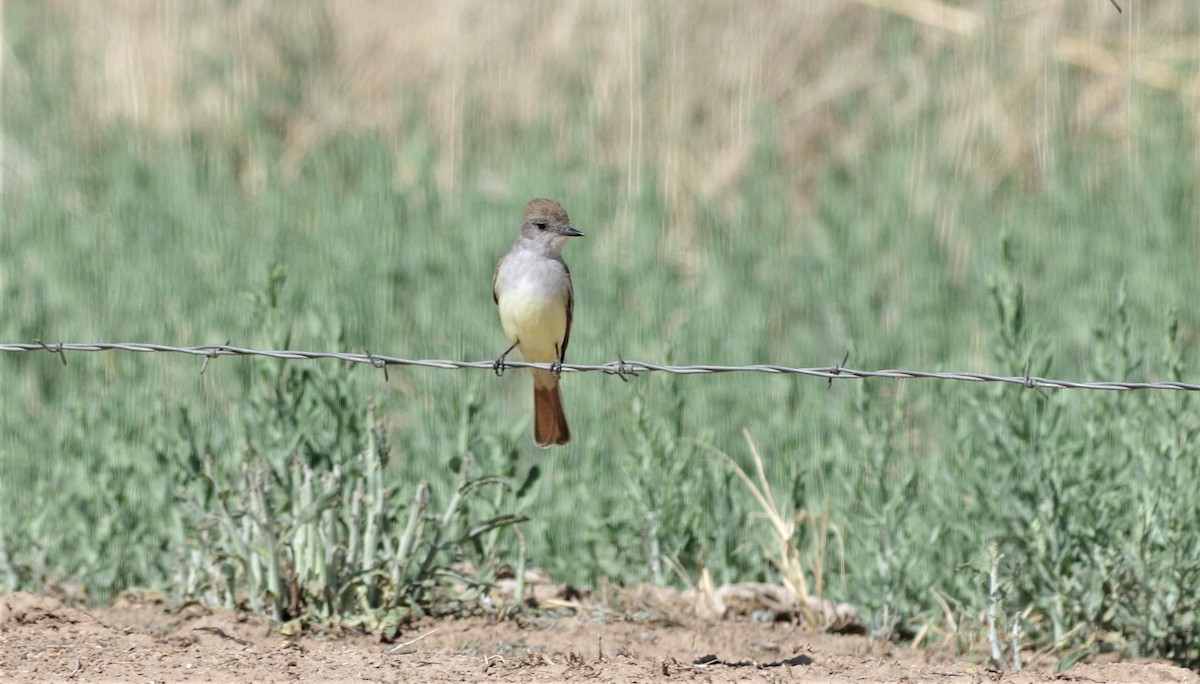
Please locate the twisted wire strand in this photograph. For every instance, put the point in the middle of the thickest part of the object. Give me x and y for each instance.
(619, 367)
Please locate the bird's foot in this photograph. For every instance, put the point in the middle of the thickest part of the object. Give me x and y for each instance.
(557, 363)
(498, 364)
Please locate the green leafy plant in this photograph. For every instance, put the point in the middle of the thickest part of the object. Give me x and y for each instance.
(299, 515)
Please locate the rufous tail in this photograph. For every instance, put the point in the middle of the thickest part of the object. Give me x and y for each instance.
(549, 421)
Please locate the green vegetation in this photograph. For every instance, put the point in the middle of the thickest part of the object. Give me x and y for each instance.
(781, 185)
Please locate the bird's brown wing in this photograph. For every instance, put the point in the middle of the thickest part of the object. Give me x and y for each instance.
(562, 354)
(495, 275)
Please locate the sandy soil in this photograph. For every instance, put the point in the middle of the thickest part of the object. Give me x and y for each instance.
(42, 640)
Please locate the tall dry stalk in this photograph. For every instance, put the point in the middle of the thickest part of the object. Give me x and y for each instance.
(794, 564)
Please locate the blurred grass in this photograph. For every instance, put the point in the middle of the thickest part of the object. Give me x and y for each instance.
(780, 183)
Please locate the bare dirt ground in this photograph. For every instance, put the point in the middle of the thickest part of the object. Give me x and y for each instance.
(44, 640)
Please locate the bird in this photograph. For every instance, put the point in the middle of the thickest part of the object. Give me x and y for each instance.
(532, 290)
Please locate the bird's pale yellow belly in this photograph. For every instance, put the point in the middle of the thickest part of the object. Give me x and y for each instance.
(536, 323)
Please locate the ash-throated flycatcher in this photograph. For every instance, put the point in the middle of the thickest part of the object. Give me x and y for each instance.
(532, 288)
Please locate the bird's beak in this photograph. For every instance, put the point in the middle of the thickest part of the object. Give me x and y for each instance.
(569, 232)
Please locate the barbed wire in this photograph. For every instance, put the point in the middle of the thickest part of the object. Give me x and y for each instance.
(620, 367)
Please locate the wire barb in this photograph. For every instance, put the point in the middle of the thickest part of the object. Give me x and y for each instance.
(213, 352)
(207, 357)
(378, 363)
(619, 367)
(625, 370)
(1030, 384)
(54, 349)
(837, 370)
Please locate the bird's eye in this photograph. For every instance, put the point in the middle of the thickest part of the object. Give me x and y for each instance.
(541, 225)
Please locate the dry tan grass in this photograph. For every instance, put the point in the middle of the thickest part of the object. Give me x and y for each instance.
(667, 89)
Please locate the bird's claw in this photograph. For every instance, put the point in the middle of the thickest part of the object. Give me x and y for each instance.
(498, 364)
